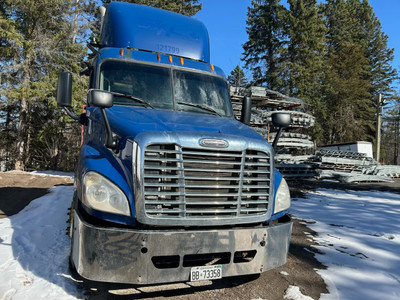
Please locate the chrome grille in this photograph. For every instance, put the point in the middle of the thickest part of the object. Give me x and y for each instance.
(200, 183)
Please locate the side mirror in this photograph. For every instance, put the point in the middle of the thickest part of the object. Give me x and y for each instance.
(99, 98)
(103, 99)
(246, 110)
(64, 89)
(281, 119)
(64, 96)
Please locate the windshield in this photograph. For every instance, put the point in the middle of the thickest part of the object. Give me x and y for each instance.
(201, 90)
(162, 88)
(149, 83)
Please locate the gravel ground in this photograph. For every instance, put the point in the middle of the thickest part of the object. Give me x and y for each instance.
(17, 189)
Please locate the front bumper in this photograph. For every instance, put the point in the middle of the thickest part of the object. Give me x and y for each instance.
(161, 256)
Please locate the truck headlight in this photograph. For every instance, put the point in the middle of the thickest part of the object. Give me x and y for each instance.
(282, 197)
(101, 194)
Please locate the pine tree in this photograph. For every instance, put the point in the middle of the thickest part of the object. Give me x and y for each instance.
(345, 93)
(237, 77)
(390, 143)
(266, 36)
(346, 88)
(355, 36)
(381, 74)
(38, 47)
(305, 56)
(306, 48)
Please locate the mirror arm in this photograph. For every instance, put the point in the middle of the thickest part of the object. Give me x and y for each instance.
(111, 142)
(82, 119)
(278, 135)
(71, 114)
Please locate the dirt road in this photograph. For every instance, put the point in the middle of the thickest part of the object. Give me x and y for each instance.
(17, 189)
(14, 199)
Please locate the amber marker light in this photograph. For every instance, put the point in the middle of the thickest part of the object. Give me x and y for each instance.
(212, 67)
(158, 57)
(170, 59)
(121, 52)
(182, 61)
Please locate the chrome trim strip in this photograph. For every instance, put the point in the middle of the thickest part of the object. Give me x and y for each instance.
(240, 191)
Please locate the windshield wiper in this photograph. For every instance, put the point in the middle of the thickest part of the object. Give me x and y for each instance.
(207, 108)
(132, 98)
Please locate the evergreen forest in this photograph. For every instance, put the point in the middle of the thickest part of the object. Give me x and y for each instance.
(333, 54)
(39, 39)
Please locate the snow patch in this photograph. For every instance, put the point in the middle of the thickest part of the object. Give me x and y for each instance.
(34, 250)
(357, 239)
(294, 293)
(53, 173)
(284, 273)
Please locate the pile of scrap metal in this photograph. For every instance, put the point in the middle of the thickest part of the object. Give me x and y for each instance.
(295, 147)
(348, 166)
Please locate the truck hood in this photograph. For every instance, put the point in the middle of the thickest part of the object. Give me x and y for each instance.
(130, 121)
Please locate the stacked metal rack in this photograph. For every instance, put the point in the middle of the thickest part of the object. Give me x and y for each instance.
(295, 145)
(348, 166)
(346, 161)
(296, 156)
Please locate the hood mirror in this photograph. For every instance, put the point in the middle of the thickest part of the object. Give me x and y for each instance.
(280, 120)
(100, 98)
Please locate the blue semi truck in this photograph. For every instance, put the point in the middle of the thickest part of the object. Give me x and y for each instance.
(169, 186)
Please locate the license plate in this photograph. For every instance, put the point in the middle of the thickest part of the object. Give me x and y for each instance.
(206, 273)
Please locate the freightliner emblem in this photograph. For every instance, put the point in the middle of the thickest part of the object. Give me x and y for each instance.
(213, 143)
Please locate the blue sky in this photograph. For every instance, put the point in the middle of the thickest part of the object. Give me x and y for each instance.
(226, 23)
